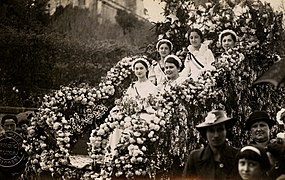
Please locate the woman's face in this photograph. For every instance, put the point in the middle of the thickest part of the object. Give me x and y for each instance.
(216, 135)
(195, 39)
(171, 71)
(163, 50)
(140, 70)
(228, 42)
(249, 169)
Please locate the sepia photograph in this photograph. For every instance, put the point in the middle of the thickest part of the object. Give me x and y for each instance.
(142, 89)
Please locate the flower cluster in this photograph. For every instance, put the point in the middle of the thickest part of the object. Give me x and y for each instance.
(148, 141)
(63, 115)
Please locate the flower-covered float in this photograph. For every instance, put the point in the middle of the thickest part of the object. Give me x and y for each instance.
(155, 145)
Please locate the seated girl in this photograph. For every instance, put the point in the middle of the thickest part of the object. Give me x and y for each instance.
(138, 92)
(141, 88)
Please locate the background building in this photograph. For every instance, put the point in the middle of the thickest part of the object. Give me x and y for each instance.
(105, 10)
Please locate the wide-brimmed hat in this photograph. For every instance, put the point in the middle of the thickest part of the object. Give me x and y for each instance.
(259, 116)
(215, 117)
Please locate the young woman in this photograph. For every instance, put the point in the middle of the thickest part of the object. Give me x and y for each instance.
(200, 56)
(253, 163)
(217, 159)
(228, 39)
(141, 88)
(156, 71)
(172, 71)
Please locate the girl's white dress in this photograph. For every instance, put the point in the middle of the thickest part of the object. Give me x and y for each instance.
(142, 89)
(199, 60)
(156, 74)
(136, 90)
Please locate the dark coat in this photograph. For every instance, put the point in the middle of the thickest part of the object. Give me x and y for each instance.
(201, 164)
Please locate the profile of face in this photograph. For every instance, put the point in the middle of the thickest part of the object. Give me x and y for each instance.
(260, 131)
(195, 39)
(164, 50)
(140, 70)
(249, 169)
(216, 135)
(228, 42)
(171, 71)
(9, 125)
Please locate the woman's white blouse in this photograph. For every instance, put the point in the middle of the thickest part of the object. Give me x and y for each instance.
(156, 74)
(204, 55)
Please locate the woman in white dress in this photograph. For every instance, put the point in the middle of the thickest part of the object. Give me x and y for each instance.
(143, 87)
(138, 90)
(199, 56)
(156, 71)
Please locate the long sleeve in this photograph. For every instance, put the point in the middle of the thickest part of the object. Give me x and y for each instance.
(189, 171)
(209, 57)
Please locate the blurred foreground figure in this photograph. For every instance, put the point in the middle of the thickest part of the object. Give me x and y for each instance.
(217, 159)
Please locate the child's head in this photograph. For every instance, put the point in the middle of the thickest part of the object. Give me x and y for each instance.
(253, 162)
(228, 38)
(195, 37)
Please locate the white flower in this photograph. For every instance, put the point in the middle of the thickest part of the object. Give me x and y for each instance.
(57, 125)
(211, 118)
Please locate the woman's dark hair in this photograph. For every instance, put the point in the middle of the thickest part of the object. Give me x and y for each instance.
(173, 61)
(165, 42)
(198, 32)
(248, 152)
(227, 34)
(142, 62)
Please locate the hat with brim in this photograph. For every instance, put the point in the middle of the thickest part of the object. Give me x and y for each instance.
(259, 116)
(216, 117)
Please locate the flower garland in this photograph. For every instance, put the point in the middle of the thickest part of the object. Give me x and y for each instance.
(64, 115)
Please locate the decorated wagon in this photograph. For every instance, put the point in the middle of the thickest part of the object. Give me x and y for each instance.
(157, 147)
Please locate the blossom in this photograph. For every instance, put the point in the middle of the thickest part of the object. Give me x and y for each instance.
(211, 118)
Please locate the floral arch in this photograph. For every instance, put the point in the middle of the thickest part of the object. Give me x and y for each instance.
(148, 148)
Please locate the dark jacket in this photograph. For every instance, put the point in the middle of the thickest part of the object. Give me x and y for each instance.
(201, 164)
